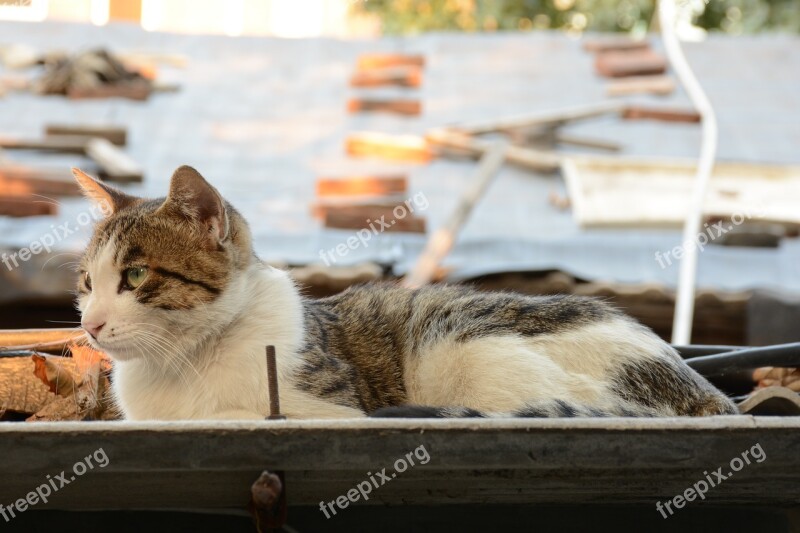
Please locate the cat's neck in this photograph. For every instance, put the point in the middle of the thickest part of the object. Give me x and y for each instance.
(269, 310)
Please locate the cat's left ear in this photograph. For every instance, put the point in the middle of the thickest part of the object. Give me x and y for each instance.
(193, 197)
(108, 199)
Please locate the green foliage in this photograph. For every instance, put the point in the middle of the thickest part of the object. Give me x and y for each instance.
(416, 16)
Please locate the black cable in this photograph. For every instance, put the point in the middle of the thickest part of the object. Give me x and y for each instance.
(784, 355)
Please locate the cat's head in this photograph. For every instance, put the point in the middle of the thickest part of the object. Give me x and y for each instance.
(155, 274)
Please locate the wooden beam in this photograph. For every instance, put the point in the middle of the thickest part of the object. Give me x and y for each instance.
(354, 204)
(635, 63)
(658, 85)
(139, 90)
(444, 238)
(362, 185)
(408, 148)
(397, 106)
(663, 114)
(26, 206)
(39, 339)
(211, 464)
(360, 218)
(606, 44)
(544, 119)
(25, 180)
(117, 135)
(395, 76)
(72, 144)
(378, 61)
(528, 158)
(115, 165)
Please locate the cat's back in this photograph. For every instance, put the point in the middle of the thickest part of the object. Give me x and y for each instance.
(421, 315)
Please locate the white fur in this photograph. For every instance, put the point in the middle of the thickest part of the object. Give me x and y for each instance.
(168, 365)
(500, 374)
(186, 373)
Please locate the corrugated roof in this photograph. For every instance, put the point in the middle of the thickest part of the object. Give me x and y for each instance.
(263, 117)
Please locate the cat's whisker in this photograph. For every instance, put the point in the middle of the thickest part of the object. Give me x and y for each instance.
(59, 255)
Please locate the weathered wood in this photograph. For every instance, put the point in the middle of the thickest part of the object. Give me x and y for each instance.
(606, 192)
(117, 135)
(211, 465)
(378, 61)
(616, 64)
(658, 85)
(442, 241)
(394, 147)
(115, 164)
(131, 91)
(529, 158)
(546, 119)
(606, 44)
(36, 338)
(660, 113)
(397, 76)
(26, 206)
(73, 144)
(362, 185)
(355, 205)
(396, 106)
(355, 220)
(26, 180)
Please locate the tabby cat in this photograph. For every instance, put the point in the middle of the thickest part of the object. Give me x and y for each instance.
(172, 290)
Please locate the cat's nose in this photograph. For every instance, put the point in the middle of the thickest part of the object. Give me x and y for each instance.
(93, 329)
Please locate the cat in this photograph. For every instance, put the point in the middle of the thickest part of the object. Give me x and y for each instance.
(173, 292)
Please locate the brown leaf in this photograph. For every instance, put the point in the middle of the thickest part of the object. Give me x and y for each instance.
(57, 378)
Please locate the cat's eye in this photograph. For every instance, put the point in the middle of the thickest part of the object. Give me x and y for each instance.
(134, 277)
(87, 280)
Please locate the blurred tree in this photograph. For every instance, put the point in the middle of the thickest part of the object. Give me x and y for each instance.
(731, 16)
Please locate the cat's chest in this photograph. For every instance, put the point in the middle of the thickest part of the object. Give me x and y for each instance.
(234, 379)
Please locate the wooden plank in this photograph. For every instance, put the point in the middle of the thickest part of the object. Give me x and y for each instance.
(546, 119)
(35, 339)
(115, 134)
(528, 158)
(408, 148)
(442, 241)
(131, 90)
(360, 218)
(26, 206)
(362, 185)
(378, 61)
(635, 63)
(73, 144)
(606, 44)
(115, 165)
(642, 192)
(354, 204)
(397, 106)
(25, 180)
(658, 85)
(210, 465)
(395, 76)
(660, 113)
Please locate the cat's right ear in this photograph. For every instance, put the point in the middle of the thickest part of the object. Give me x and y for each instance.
(108, 199)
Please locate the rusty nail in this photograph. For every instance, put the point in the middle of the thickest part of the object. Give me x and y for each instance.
(272, 379)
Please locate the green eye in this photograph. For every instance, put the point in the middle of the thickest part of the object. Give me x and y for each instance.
(134, 276)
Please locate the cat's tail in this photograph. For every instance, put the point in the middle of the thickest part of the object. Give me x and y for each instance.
(543, 409)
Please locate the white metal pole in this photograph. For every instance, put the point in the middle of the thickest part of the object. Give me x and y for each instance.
(684, 302)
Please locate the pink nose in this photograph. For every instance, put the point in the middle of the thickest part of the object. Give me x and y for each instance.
(93, 329)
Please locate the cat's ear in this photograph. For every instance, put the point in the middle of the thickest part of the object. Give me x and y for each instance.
(194, 198)
(108, 199)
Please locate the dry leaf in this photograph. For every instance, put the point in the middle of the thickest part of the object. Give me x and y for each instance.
(57, 378)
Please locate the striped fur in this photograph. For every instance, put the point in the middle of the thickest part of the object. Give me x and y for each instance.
(188, 343)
